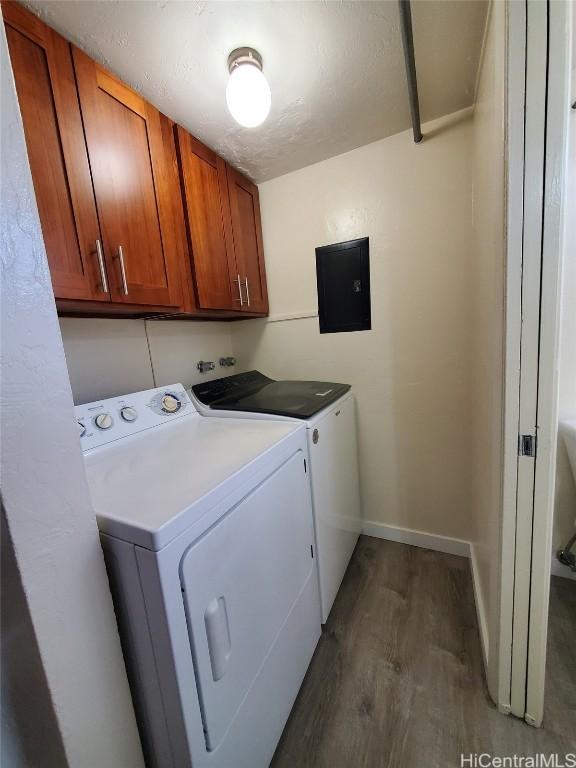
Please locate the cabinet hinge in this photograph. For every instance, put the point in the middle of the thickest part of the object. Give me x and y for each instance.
(527, 445)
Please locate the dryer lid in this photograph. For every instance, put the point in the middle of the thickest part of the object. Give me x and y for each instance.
(150, 487)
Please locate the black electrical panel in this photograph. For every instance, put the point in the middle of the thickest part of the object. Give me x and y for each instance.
(343, 280)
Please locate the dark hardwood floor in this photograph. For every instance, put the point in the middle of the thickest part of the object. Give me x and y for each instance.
(560, 702)
(397, 678)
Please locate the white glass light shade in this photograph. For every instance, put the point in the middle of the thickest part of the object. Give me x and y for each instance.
(248, 95)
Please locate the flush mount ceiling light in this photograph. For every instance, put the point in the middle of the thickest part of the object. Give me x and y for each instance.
(247, 93)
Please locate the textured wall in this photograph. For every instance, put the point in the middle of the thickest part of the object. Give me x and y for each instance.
(487, 311)
(105, 357)
(411, 372)
(48, 512)
(113, 357)
(30, 734)
(176, 347)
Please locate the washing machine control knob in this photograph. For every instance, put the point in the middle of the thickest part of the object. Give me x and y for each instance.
(103, 421)
(128, 413)
(170, 403)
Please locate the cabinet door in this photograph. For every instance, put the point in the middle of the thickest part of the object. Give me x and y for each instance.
(247, 234)
(46, 88)
(124, 139)
(189, 304)
(207, 213)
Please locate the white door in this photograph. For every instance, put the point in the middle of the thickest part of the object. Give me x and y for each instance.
(240, 582)
(545, 129)
(336, 494)
(558, 105)
(534, 131)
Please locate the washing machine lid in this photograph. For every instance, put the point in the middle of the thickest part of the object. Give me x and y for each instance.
(253, 392)
(148, 488)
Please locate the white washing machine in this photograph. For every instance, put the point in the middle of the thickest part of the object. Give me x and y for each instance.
(328, 411)
(206, 526)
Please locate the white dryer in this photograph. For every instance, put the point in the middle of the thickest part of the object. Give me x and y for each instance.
(327, 410)
(206, 526)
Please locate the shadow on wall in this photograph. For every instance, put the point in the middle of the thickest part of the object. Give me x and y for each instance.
(443, 127)
(30, 734)
(565, 498)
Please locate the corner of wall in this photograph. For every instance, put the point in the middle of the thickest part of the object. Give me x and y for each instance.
(480, 610)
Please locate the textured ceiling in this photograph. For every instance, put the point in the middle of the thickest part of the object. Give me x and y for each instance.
(336, 69)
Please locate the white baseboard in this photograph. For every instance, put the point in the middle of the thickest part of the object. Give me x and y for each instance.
(480, 608)
(416, 538)
(557, 569)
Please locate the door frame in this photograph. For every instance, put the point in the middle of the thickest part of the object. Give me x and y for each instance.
(500, 663)
(537, 128)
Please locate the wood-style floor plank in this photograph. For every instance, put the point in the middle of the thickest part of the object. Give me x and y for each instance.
(397, 678)
(560, 702)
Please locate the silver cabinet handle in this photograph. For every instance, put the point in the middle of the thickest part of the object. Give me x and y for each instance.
(247, 291)
(120, 257)
(241, 299)
(100, 254)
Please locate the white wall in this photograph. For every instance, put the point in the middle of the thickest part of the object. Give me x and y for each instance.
(411, 372)
(112, 357)
(53, 537)
(30, 733)
(565, 508)
(487, 311)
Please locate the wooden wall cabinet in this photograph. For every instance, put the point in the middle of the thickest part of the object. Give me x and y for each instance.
(131, 185)
(97, 158)
(247, 234)
(208, 226)
(46, 87)
(138, 217)
(222, 213)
